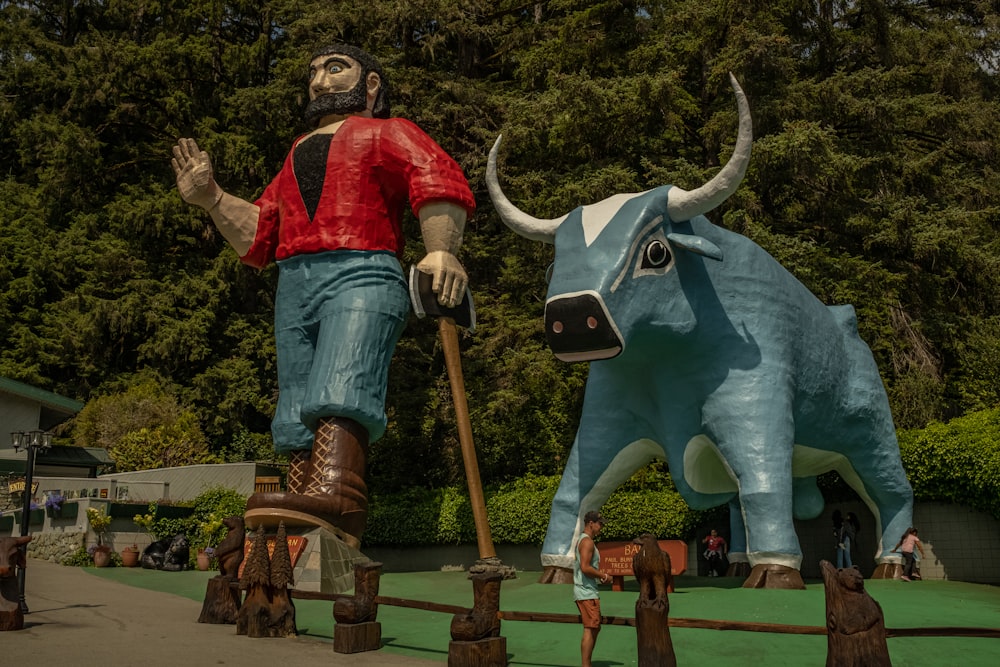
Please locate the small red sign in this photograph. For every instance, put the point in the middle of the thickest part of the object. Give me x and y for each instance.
(616, 559)
(296, 545)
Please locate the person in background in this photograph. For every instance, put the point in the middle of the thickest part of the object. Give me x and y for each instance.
(586, 576)
(838, 536)
(906, 546)
(848, 532)
(716, 548)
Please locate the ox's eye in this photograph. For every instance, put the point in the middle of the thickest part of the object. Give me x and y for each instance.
(655, 255)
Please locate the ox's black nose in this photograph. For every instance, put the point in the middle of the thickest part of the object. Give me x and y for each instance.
(579, 328)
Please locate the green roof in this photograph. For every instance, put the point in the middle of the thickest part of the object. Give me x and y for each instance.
(46, 398)
(57, 455)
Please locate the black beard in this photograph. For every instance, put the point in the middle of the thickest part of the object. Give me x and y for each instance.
(337, 104)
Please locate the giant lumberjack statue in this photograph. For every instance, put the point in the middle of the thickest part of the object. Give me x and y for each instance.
(331, 221)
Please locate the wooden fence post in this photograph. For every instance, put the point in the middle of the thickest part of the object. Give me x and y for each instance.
(356, 629)
(475, 634)
(652, 610)
(855, 626)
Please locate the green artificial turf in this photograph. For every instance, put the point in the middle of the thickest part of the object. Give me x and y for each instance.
(426, 634)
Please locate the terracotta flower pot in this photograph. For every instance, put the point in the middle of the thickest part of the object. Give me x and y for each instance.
(130, 557)
(102, 556)
(204, 560)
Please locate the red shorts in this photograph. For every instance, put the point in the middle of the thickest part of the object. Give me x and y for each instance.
(590, 612)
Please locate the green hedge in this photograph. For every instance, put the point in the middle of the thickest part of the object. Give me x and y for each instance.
(519, 514)
(957, 462)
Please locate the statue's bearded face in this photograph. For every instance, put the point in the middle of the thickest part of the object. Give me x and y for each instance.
(337, 87)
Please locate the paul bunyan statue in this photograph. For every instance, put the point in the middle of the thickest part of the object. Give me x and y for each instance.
(331, 219)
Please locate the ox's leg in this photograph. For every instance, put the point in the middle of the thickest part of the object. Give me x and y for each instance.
(739, 564)
(598, 464)
(879, 479)
(759, 451)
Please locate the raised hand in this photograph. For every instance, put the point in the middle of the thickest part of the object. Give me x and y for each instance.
(193, 169)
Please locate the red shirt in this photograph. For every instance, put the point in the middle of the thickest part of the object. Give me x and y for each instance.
(715, 543)
(373, 167)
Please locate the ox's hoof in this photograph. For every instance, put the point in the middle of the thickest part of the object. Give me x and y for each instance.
(553, 574)
(774, 576)
(741, 570)
(888, 571)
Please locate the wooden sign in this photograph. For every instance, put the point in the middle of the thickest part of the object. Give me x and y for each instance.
(296, 545)
(17, 486)
(616, 559)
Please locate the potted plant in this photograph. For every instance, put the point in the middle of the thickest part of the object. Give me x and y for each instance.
(53, 505)
(130, 556)
(205, 558)
(99, 522)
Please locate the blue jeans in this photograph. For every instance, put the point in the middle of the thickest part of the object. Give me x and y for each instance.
(337, 317)
(844, 555)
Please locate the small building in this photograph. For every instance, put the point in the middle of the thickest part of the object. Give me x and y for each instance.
(27, 408)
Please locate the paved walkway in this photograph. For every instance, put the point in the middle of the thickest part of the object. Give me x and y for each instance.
(77, 618)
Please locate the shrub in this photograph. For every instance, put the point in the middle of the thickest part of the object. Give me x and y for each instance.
(519, 513)
(957, 462)
(79, 558)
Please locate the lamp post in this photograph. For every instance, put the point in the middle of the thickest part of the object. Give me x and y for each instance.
(31, 442)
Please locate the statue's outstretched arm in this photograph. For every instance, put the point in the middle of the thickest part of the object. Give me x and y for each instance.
(442, 225)
(235, 218)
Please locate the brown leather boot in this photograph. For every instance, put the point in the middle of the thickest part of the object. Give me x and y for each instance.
(299, 470)
(339, 458)
(334, 495)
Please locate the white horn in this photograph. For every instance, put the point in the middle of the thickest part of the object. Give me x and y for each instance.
(535, 229)
(683, 205)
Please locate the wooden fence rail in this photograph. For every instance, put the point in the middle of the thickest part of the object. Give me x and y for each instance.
(699, 623)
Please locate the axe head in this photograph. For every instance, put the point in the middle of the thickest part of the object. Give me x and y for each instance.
(425, 301)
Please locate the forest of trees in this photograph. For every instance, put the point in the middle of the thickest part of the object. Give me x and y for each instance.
(874, 179)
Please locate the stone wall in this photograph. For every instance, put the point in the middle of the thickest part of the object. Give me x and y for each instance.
(55, 546)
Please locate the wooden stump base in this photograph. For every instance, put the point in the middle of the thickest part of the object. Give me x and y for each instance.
(774, 576)
(655, 648)
(11, 619)
(357, 637)
(552, 574)
(888, 571)
(489, 652)
(222, 602)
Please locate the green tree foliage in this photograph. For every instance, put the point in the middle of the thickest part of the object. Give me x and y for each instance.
(105, 420)
(178, 444)
(873, 180)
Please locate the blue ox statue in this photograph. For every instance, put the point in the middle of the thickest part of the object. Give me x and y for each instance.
(706, 352)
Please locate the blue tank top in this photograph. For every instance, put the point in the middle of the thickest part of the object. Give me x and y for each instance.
(584, 587)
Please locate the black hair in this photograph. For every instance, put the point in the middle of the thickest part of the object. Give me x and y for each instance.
(380, 109)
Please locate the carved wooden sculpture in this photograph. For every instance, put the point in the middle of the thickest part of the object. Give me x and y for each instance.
(222, 600)
(855, 625)
(652, 569)
(475, 634)
(356, 629)
(253, 617)
(11, 558)
(229, 553)
(282, 614)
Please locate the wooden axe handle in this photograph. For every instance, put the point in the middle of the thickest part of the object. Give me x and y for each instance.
(453, 362)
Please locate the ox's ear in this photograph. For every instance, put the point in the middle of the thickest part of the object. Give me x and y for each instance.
(696, 244)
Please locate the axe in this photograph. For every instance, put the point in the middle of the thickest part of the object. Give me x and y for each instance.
(425, 303)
